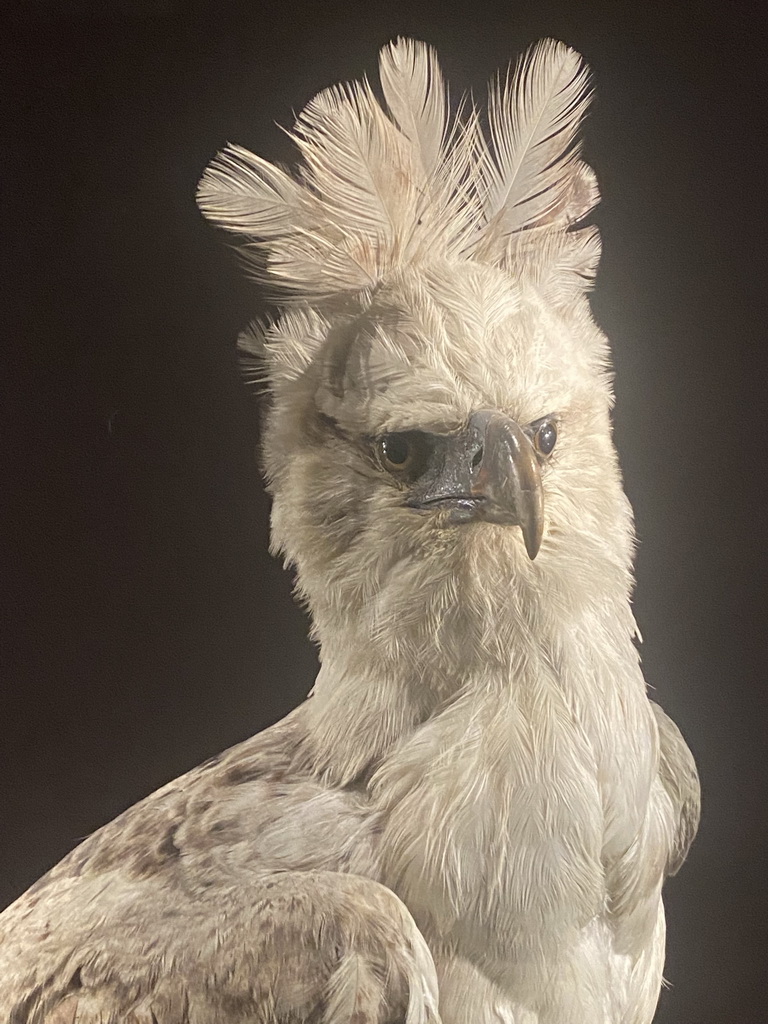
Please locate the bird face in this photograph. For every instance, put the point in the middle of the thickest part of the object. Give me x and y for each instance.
(457, 402)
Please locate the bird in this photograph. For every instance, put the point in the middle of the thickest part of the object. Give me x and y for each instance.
(471, 817)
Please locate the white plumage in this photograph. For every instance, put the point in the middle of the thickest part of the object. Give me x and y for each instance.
(472, 816)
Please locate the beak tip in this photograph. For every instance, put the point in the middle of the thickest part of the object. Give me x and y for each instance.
(533, 550)
(532, 540)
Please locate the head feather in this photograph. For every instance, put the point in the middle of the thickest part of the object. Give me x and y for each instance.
(413, 88)
(379, 190)
(531, 174)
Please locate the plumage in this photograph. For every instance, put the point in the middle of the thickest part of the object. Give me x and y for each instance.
(528, 174)
(412, 83)
(472, 816)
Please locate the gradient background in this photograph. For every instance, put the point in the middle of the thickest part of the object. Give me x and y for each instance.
(144, 625)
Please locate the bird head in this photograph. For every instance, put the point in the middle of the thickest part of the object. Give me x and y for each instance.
(439, 427)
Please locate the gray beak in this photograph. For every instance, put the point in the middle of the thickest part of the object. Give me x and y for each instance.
(507, 480)
(488, 472)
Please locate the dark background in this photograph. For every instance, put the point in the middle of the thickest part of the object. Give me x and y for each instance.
(144, 625)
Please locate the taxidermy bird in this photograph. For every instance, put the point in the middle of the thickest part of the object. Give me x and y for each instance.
(472, 816)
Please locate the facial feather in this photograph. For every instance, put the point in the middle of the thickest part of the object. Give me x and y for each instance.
(427, 350)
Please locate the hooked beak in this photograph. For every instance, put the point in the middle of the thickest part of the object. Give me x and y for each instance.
(488, 472)
(508, 480)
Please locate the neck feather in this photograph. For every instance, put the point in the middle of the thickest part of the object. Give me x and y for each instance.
(484, 626)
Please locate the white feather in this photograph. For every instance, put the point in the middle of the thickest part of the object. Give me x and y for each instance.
(357, 163)
(415, 93)
(528, 173)
(375, 193)
(242, 192)
(449, 212)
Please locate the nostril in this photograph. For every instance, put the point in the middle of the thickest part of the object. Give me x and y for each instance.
(477, 458)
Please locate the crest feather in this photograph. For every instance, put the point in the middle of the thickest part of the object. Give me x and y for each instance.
(413, 88)
(379, 191)
(241, 192)
(359, 166)
(562, 264)
(531, 172)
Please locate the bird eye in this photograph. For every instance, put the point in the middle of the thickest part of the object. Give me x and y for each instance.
(544, 436)
(402, 454)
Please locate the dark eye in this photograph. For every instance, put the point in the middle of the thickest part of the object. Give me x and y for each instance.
(545, 436)
(402, 454)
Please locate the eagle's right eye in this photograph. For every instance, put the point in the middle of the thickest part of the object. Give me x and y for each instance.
(402, 454)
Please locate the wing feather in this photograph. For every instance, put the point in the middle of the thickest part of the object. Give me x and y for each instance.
(680, 779)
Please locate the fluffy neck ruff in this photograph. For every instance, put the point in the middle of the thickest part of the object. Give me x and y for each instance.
(461, 617)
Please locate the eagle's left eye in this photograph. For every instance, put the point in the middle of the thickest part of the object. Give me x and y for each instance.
(544, 436)
(402, 454)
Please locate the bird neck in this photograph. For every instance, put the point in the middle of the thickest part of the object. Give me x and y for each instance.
(478, 637)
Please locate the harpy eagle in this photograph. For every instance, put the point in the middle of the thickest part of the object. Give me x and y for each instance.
(472, 816)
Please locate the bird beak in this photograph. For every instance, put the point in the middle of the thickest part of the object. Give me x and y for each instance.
(506, 478)
(488, 472)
